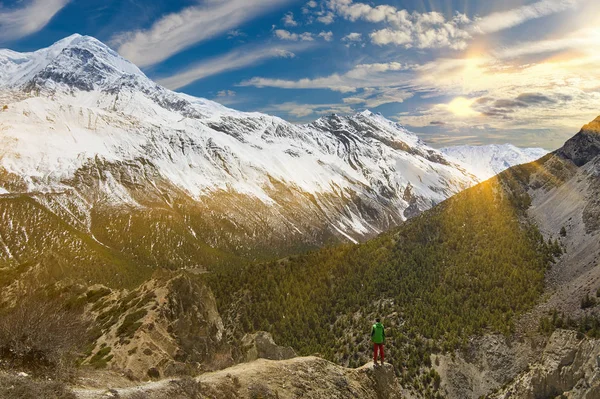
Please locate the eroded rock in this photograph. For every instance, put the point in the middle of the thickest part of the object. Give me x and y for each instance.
(261, 345)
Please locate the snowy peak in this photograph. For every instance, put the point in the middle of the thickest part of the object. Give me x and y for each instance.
(18, 68)
(488, 160)
(80, 62)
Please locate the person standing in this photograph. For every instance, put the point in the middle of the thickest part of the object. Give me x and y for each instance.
(378, 339)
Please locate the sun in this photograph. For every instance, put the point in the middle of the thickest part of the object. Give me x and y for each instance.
(461, 107)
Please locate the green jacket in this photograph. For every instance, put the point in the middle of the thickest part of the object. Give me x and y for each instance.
(378, 333)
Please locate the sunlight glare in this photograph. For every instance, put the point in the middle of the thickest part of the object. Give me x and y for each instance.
(461, 107)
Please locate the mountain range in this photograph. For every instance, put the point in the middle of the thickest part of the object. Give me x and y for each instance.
(129, 165)
(179, 227)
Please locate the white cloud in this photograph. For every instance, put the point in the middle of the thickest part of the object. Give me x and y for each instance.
(421, 30)
(583, 39)
(176, 32)
(326, 18)
(226, 93)
(288, 20)
(327, 36)
(307, 9)
(234, 60)
(352, 37)
(433, 29)
(391, 36)
(334, 82)
(286, 35)
(507, 19)
(373, 98)
(34, 16)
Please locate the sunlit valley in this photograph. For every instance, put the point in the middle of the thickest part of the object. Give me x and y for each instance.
(218, 199)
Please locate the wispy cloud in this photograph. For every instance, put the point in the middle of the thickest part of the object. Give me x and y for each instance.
(176, 32)
(585, 39)
(234, 60)
(359, 77)
(507, 19)
(299, 110)
(34, 16)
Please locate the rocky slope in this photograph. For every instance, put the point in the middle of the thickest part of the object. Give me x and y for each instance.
(486, 161)
(563, 189)
(306, 377)
(568, 367)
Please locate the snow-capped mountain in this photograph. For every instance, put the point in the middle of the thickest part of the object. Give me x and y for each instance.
(486, 161)
(137, 167)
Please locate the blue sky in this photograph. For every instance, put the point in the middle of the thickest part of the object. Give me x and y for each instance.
(453, 71)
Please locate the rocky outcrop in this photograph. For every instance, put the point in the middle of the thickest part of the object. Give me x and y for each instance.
(261, 345)
(300, 377)
(488, 363)
(569, 367)
(584, 146)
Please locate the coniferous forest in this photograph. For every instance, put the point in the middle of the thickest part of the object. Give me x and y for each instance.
(466, 267)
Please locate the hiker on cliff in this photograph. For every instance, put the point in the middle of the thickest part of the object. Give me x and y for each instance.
(378, 338)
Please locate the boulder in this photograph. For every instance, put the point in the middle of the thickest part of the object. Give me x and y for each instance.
(261, 345)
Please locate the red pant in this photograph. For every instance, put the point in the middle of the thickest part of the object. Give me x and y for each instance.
(377, 347)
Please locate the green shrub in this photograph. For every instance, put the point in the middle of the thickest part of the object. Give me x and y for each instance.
(101, 358)
(588, 301)
(130, 324)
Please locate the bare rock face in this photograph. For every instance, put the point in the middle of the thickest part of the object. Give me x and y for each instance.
(489, 362)
(585, 145)
(569, 367)
(261, 345)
